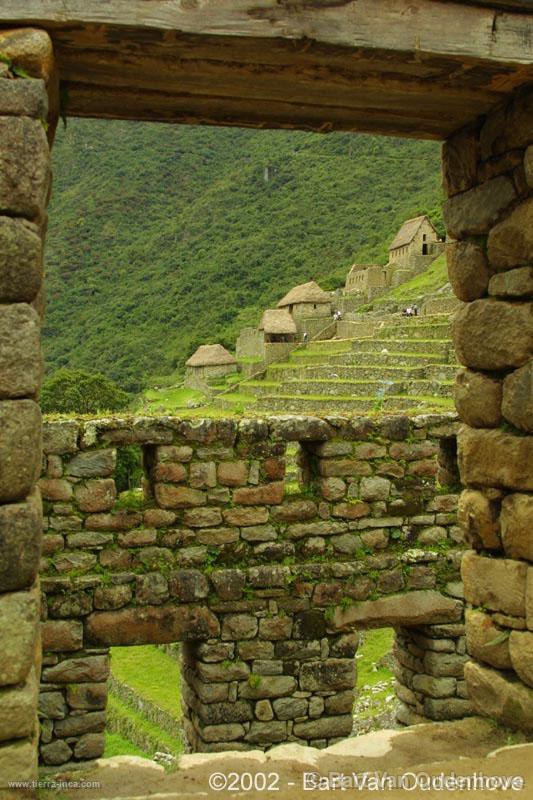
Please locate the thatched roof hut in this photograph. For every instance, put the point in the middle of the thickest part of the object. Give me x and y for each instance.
(210, 355)
(305, 293)
(277, 321)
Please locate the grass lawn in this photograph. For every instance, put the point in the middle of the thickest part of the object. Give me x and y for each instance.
(374, 681)
(151, 673)
(117, 745)
(170, 398)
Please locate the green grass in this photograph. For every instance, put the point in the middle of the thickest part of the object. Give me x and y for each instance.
(170, 399)
(138, 722)
(117, 745)
(151, 673)
(427, 282)
(376, 644)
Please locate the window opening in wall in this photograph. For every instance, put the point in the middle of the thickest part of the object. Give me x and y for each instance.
(144, 711)
(375, 701)
(448, 468)
(296, 469)
(129, 477)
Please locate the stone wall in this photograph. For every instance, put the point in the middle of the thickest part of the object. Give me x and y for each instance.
(250, 344)
(488, 172)
(265, 590)
(24, 187)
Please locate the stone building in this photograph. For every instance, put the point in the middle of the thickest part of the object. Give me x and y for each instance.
(363, 277)
(279, 332)
(209, 361)
(309, 306)
(416, 238)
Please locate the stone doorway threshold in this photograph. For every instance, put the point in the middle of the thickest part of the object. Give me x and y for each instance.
(469, 747)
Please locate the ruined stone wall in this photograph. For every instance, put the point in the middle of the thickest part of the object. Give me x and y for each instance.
(250, 344)
(24, 187)
(265, 590)
(488, 173)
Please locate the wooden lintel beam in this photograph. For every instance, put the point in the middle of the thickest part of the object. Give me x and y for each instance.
(117, 103)
(437, 27)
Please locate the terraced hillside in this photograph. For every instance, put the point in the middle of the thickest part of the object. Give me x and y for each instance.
(407, 364)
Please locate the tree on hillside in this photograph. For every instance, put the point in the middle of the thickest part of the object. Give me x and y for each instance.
(76, 391)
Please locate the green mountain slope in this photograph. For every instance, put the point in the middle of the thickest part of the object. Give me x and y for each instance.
(164, 237)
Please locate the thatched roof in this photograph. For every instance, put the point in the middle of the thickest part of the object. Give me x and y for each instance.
(408, 231)
(305, 293)
(277, 320)
(210, 355)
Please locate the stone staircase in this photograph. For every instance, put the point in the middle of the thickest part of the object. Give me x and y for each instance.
(407, 363)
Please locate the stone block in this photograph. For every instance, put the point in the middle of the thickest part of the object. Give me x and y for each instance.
(233, 473)
(267, 494)
(245, 516)
(20, 351)
(20, 543)
(275, 628)
(222, 733)
(18, 708)
(223, 672)
(500, 696)
(325, 727)
(188, 585)
(478, 399)
(434, 687)
(332, 488)
(330, 674)
(211, 652)
(266, 733)
(24, 167)
(19, 631)
(91, 722)
(444, 664)
(52, 705)
(57, 490)
(528, 165)
(93, 464)
(295, 511)
(151, 589)
(222, 713)
(170, 496)
(484, 641)
(460, 162)
(96, 495)
(300, 429)
(72, 604)
(202, 517)
(517, 406)
(217, 537)
(89, 746)
(165, 453)
(60, 437)
(110, 597)
(495, 458)
(450, 708)
(84, 669)
(169, 472)
(20, 260)
(468, 270)
(80, 562)
(514, 284)
(476, 210)
(263, 711)
(343, 467)
(372, 489)
(521, 652)
(20, 448)
(239, 626)
(498, 584)
(202, 474)
(142, 537)
(259, 533)
(158, 518)
(56, 753)
(87, 696)
(151, 625)
(493, 334)
(510, 244)
(88, 539)
(229, 583)
(251, 649)
(413, 608)
(339, 703)
(516, 526)
(261, 687)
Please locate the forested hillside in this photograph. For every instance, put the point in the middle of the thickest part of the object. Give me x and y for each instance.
(164, 237)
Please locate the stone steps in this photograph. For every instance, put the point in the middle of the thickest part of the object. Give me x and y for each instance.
(439, 347)
(339, 388)
(433, 331)
(391, 358)
(348, 372)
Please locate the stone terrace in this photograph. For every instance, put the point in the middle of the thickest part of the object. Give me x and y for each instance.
(265, 591)
(395, 364)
